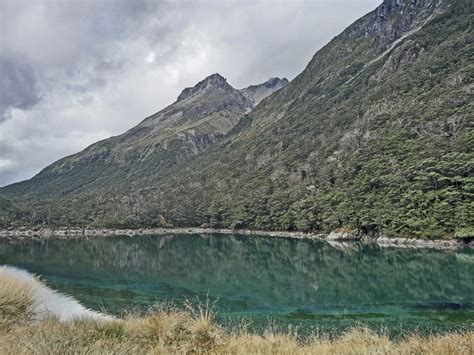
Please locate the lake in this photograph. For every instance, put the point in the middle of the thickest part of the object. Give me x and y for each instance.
(307, 284)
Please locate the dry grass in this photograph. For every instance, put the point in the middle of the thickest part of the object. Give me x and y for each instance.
(167, 330)
(16, 302)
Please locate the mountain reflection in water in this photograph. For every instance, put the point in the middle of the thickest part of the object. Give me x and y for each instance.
(302, 282)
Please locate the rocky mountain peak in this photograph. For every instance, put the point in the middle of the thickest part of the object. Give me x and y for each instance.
(256, 93)
(216, 80)
(273, 82)
(210, 83)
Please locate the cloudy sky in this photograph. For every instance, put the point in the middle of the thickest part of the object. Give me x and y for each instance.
(74, 72)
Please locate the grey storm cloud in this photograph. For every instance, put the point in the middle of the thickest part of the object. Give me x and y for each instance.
(74, 72)
(18, 85)
(38, 37)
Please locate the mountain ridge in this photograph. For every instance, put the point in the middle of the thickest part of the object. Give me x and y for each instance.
(201, 115)
(214, 81)
(374, 134)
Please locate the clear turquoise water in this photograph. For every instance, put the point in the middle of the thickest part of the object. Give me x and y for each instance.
(302, 283)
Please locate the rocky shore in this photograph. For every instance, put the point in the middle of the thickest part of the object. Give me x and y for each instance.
(336, 238)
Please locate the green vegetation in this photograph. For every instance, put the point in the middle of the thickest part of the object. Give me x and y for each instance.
(363, 139)
(10, 213)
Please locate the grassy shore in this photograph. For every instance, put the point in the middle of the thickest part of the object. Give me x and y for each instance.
(165, 330)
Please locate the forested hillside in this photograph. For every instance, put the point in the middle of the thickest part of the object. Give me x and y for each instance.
(375, 134)
(364, 137)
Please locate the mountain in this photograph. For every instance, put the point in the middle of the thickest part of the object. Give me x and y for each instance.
(376, 134)
(256, 93)
(201, 115)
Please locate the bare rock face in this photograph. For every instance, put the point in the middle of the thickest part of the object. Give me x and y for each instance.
(211, 83)
(256, 93)
(212, 96)
(393, 18)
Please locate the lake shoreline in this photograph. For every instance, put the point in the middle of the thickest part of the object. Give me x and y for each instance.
(336, 238)
(187, 329)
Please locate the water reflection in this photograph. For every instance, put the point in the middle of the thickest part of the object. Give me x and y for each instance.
(258, 276)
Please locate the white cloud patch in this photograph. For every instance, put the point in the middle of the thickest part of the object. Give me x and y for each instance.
(72, 73)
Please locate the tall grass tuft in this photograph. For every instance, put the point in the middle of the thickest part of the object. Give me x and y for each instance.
(206, 335)
(16, 302)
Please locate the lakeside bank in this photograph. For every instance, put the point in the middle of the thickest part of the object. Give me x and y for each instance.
(335, 238)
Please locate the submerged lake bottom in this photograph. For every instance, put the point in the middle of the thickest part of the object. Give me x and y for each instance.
(306, 285)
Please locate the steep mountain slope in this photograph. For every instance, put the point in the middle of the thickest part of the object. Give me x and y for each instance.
(376, 133)
(201, 116)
